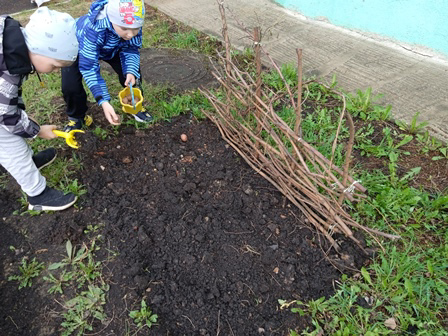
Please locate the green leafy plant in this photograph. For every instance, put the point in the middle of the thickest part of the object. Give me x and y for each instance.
(84, 309)
(85, 274)
(3, 181)
(413, 128)
(63, 279)
(404, 287)
(28, 271)
(23, 200)
(143, 317)
(428, 142)
(444, 152)
(101, 133)
(72, 185)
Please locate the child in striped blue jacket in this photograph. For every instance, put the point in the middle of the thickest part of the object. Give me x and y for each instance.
(112, 32)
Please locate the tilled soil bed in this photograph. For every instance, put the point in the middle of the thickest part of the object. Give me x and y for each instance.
(203, 238)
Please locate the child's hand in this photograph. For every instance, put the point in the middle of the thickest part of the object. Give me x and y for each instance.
(46, 132)
(110, 114)
(129, 79)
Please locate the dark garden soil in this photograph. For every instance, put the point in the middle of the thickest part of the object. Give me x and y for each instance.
(205, 240)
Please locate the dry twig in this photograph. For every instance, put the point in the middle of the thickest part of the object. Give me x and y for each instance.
(248, 122)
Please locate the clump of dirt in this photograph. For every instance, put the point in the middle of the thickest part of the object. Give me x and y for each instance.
(88, 142)
(207, 242)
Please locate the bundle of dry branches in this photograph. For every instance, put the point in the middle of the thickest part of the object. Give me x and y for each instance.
(248, 122)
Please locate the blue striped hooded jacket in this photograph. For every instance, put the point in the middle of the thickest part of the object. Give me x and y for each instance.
(99, 41)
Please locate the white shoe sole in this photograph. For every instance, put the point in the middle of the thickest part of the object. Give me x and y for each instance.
(51, 208)
(141, 120)
(49, 162)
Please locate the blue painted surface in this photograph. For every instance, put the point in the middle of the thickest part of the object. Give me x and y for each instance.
(422, 22)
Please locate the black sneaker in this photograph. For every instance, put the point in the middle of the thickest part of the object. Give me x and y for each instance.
(52, 200)
(44, 158)
(143, 117)
(77, 124)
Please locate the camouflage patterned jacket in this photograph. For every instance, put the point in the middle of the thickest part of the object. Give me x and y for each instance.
(15, 65)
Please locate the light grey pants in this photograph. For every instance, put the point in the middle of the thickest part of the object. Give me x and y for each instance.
(16, 158)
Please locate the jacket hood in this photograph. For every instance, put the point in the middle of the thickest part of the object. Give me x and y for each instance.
(96, 8)
(15, 50)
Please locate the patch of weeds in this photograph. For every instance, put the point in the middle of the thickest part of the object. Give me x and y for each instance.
(186, 40)
(428, 142)
(3, 181)
(143, 317)
(387, 145)
(80, 272)
(245, 59)
(444, 152)
(38, 144)
(28, 271)
(61, 169)
(92, 229)
(101, 133)
(157, 35)
(161, 32)
(84, 309)
(414, 127)
(24, 205)
(404, 207)
(404, 287)
(361, 105)
(69, 185)
(192, 103)
(274, 80)
(402, 291)
(45, 103)
(58, 283)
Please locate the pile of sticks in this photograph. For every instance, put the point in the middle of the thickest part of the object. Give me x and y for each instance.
(248, 122)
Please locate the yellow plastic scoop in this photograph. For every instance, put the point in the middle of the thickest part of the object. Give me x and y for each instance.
(69, 137)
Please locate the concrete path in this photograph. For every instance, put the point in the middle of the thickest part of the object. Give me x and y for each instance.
(410, 81)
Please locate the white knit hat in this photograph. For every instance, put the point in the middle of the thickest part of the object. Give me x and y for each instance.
(52, 34)
(126, 13)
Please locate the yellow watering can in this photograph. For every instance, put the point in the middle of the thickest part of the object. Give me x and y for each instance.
(69, 137)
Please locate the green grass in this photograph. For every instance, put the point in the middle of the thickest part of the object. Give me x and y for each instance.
(406, 284)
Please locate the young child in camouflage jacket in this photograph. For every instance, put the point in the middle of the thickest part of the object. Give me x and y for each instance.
(46, 43)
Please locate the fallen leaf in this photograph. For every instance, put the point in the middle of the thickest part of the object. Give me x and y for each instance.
(390, 323)
(276, 270)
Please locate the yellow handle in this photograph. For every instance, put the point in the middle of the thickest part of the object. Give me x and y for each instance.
(62, 134)
(69, 137)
